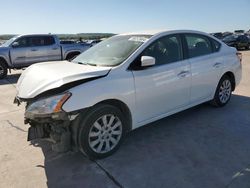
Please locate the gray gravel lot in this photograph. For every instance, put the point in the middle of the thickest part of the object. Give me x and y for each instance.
(201, 147)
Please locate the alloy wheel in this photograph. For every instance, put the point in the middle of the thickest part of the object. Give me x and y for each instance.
(105, 133)
(225, 91)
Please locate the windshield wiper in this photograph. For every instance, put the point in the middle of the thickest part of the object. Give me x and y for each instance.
(79, 63)
(91, 64)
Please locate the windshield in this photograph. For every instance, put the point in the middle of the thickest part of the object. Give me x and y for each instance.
(112, 51)
(8, 42)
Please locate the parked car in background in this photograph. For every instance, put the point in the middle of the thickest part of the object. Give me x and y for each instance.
(94, 42)
(227, 33)
(67, 42)
(239, 31)
(218, 35)
(24, 50)
(84, 43)
(123, 83)
(237, 41)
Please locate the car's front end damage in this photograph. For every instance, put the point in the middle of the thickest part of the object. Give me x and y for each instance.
(48, 120)
(45, 94)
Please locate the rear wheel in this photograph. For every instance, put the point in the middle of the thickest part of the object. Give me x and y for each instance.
(3, 70)
(72, 56)
(223, 92)
(101, 131)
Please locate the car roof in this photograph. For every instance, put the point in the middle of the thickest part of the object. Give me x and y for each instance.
(26, 35)
(158, 32)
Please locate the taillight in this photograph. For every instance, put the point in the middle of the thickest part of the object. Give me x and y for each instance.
(239, 55)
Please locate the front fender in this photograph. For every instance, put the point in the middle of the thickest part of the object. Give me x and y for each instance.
(119, 87)
(4, 54)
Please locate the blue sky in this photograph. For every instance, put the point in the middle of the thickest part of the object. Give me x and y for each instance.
(80, 16)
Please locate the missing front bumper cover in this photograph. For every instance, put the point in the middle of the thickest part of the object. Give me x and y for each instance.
(36, 133)
(57, 132)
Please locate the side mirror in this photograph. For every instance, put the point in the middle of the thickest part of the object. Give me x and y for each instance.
(15, 44)
(147, 61)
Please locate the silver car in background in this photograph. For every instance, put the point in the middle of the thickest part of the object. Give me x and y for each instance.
(24, 50)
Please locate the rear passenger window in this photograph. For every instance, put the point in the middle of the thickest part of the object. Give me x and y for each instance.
(216, 45)
(165, 50)
(49, 40)
(198, 45)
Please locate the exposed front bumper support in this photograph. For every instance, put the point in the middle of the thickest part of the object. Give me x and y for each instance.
(37, 132)
(54, 127)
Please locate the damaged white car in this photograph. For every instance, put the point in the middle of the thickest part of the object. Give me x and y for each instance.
(123, 83)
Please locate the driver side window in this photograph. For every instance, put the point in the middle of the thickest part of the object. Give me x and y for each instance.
(22, 42)
(165, 50)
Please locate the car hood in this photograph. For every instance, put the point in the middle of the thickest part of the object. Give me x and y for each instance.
(42, 77)
(3, 48)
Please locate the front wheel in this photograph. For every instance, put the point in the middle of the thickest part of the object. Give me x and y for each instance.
(223, 92)
(101, 131)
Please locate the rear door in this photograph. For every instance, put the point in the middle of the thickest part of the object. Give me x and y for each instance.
(165, 86)
(38, 50)
(42, 48)
(53, 49)
(206, 65)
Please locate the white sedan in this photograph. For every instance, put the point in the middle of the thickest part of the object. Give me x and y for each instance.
(122, 83)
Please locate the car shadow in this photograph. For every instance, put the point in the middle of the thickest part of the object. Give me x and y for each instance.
(200, 147)
(10, 79)
(71, 169)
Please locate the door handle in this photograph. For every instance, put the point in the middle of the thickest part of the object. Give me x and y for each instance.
(183, 74)
(34, 50)
(54, 48)
(217, 65)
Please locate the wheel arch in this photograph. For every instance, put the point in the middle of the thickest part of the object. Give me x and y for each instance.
(2, 59)
(75, 52)
(75, 126)
(121, 106)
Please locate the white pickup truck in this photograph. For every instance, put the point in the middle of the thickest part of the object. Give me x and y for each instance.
(24, 50)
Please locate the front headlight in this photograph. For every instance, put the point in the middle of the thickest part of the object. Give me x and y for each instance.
(48, 105)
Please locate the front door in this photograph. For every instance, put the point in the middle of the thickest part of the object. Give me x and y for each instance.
(19, 52)
(164, 87)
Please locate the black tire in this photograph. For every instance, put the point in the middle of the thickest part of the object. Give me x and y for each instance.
(218, 99)
(3, 70)
(87, 125)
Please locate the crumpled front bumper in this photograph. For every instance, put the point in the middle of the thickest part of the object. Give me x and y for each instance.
(54, 127)
(17, 101)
